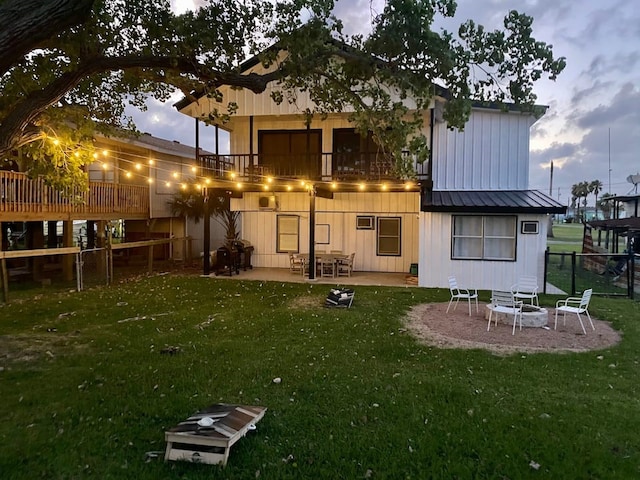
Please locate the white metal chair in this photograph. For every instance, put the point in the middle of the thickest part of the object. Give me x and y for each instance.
(575, 305)
(526, 289)
(505, 303)
(458, 294)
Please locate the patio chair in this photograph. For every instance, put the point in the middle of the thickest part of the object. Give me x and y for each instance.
(505, 303)
(327, 267)
(458, 293)
(575, 305)
(344, 265)
(296, 264)
(526, 289)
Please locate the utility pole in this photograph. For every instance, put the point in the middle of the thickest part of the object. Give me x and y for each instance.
(550, 223)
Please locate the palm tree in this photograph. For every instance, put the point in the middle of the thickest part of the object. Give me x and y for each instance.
(595, 187)
(189, 202)
(578, 190)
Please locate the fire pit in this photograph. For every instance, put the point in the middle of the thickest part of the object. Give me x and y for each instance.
(532, 316)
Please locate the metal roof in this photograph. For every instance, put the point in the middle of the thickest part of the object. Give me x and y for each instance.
(490, 201)
(620, 224)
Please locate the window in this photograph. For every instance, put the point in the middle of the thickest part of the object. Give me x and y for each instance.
(529, 227)
(288, 233)
(484, 237)
(389, 237)
(364, 222)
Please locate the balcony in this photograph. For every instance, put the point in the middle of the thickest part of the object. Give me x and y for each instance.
(325, 167)
(23, 199)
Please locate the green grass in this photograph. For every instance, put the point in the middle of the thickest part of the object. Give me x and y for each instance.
(568, 232)
(86, 391)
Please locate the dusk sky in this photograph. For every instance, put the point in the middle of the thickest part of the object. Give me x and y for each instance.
(597, 97)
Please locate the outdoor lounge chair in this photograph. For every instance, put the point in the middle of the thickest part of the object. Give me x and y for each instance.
(575, 305)
(506, 303)
(526, 289)
(458, 293)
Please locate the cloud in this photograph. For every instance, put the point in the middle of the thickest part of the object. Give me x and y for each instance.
(623, 108)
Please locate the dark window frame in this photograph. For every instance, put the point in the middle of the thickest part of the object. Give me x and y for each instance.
(379, 234)
(279, 248)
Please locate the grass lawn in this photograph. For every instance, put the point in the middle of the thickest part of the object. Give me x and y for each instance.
(567, 237)
(86, 390)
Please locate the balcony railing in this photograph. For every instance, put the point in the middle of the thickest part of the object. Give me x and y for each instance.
(20, 194)
(319, 167)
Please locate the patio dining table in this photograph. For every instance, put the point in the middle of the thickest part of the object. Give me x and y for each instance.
(319, 258)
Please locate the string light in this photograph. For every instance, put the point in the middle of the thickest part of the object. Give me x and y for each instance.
(268, 182)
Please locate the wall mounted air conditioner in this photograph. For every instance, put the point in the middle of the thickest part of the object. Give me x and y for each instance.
(268, 202)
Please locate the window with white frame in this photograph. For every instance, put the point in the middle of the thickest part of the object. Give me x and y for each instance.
(389, 236)
(490, 237)
(288, 233)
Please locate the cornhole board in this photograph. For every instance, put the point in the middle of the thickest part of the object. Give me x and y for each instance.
(189, 441)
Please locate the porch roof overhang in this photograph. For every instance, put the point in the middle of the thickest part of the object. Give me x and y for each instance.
(617, 224)
(490, 201)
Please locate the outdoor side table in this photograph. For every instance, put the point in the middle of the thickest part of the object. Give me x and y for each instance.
(193, 442)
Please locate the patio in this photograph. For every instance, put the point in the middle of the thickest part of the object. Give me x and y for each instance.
(357, 278)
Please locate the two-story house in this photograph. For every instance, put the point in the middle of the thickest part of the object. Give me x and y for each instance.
(304, 184)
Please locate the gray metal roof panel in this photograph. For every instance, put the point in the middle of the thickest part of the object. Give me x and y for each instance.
(490, 201)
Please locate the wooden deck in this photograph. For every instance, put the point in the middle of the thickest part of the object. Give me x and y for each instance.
(26, 199)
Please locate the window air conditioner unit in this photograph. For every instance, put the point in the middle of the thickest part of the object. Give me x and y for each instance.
(268, 203)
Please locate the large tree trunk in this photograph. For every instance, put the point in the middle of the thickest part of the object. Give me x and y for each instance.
(26, 23)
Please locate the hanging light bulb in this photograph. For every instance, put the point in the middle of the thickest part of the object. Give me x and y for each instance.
(334, 185)
(361, 186)
(384, 187)
(138, 166)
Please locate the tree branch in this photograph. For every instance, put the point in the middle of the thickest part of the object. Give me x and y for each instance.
(26, 23)
(28, 110)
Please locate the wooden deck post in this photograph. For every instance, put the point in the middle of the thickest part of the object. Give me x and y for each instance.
(101, 263)
(4, 273)
(67, 241)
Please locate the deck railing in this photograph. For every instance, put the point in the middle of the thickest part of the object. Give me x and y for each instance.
(20, 194)
(317, 166)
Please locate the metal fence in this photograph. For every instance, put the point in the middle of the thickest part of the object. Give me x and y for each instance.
(90, 267)
(607, 274)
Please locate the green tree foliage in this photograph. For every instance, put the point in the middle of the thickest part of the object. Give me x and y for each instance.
(77, 64)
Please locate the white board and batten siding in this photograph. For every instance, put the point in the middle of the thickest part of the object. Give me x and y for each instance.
(259, 227)
(436, 264)
(492, 153)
